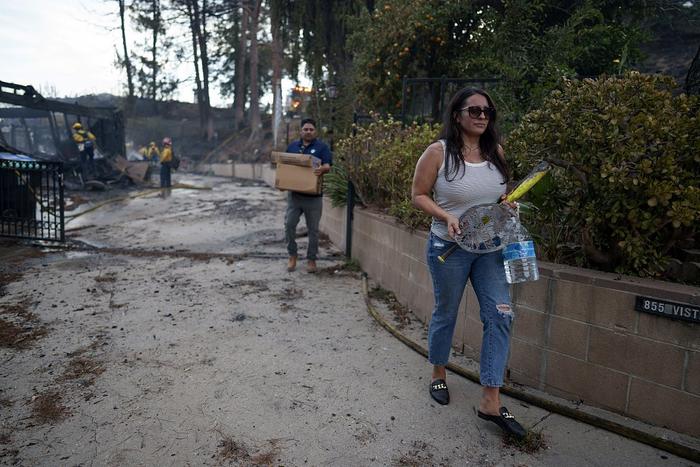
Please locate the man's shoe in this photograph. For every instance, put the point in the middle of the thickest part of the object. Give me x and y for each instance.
(311, 267)
(291, 263)
(506, 421)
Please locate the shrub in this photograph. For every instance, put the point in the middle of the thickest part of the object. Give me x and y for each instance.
(335, 185)
(380, 160)
(625, 190)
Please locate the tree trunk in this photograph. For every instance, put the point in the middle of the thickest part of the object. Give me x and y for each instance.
(127, 61)
(195, 40)
(239, 91)
(154, 54)
(277, 57)
(204, 56)
(255, 119)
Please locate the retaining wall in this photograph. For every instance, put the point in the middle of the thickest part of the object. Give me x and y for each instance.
(576, 333)
(252, 171)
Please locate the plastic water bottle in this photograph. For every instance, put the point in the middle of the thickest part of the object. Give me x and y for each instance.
(520, 261)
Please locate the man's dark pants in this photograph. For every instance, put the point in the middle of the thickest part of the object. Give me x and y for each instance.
(310, 206)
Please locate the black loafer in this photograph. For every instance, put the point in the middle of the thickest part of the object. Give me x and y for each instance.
(506, 421)
(439, 392)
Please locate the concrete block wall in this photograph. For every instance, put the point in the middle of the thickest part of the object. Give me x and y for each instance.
(267, 174)
(576, 333)
(584, 339)
(334, 222)
(221, 170)
(251, 171)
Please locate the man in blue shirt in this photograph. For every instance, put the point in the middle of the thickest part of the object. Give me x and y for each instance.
(300, 203)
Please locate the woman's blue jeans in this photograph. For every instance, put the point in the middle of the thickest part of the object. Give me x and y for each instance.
(489, 281)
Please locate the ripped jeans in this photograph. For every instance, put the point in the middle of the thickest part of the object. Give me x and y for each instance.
(489, 281)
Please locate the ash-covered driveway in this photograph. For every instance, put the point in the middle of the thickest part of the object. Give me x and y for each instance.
(171, 334)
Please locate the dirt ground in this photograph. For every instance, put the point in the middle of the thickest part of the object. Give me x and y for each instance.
(168, 332)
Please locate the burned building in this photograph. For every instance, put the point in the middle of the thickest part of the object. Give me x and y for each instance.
(42, 127)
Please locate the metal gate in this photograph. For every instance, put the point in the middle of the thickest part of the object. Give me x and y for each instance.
(31, 198)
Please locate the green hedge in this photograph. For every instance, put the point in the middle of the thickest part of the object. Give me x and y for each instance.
(625, 190)
(380, 160)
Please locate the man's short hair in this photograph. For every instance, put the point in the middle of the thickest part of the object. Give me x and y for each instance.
(308, 120)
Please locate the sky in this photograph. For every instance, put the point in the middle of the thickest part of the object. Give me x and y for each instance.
(67, 48)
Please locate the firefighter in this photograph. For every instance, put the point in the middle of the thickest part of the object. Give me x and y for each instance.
(153, 153)
(85, 141)
(166, 158)
(143, 153)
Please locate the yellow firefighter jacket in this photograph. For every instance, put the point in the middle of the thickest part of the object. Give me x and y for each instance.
(166, 154)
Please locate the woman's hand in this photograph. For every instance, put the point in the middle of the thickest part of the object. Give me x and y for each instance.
(452, 226)
(513, 205)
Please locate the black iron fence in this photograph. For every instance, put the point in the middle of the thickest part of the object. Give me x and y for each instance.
(31, 199)
(692, 79)
(424, 99)
(357, 119)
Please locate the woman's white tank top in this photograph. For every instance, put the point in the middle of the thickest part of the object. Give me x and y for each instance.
(482, 183)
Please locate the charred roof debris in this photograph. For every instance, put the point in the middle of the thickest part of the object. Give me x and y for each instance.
(44, 129)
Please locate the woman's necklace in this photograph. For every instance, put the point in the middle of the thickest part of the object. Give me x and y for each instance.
(468, 152)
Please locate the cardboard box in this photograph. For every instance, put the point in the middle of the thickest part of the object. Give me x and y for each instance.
(295, 172)
(303, 160)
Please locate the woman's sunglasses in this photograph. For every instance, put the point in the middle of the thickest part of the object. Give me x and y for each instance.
(476, 111)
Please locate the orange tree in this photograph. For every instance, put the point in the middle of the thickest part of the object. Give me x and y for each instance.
(530, 44)
(534, 44)
(414, 38)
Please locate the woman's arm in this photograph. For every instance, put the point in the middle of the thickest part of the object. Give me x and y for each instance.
(424, 178)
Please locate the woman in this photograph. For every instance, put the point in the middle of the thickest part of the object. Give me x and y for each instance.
(464, 168)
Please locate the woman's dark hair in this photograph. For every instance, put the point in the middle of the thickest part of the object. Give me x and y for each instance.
(452, 134)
